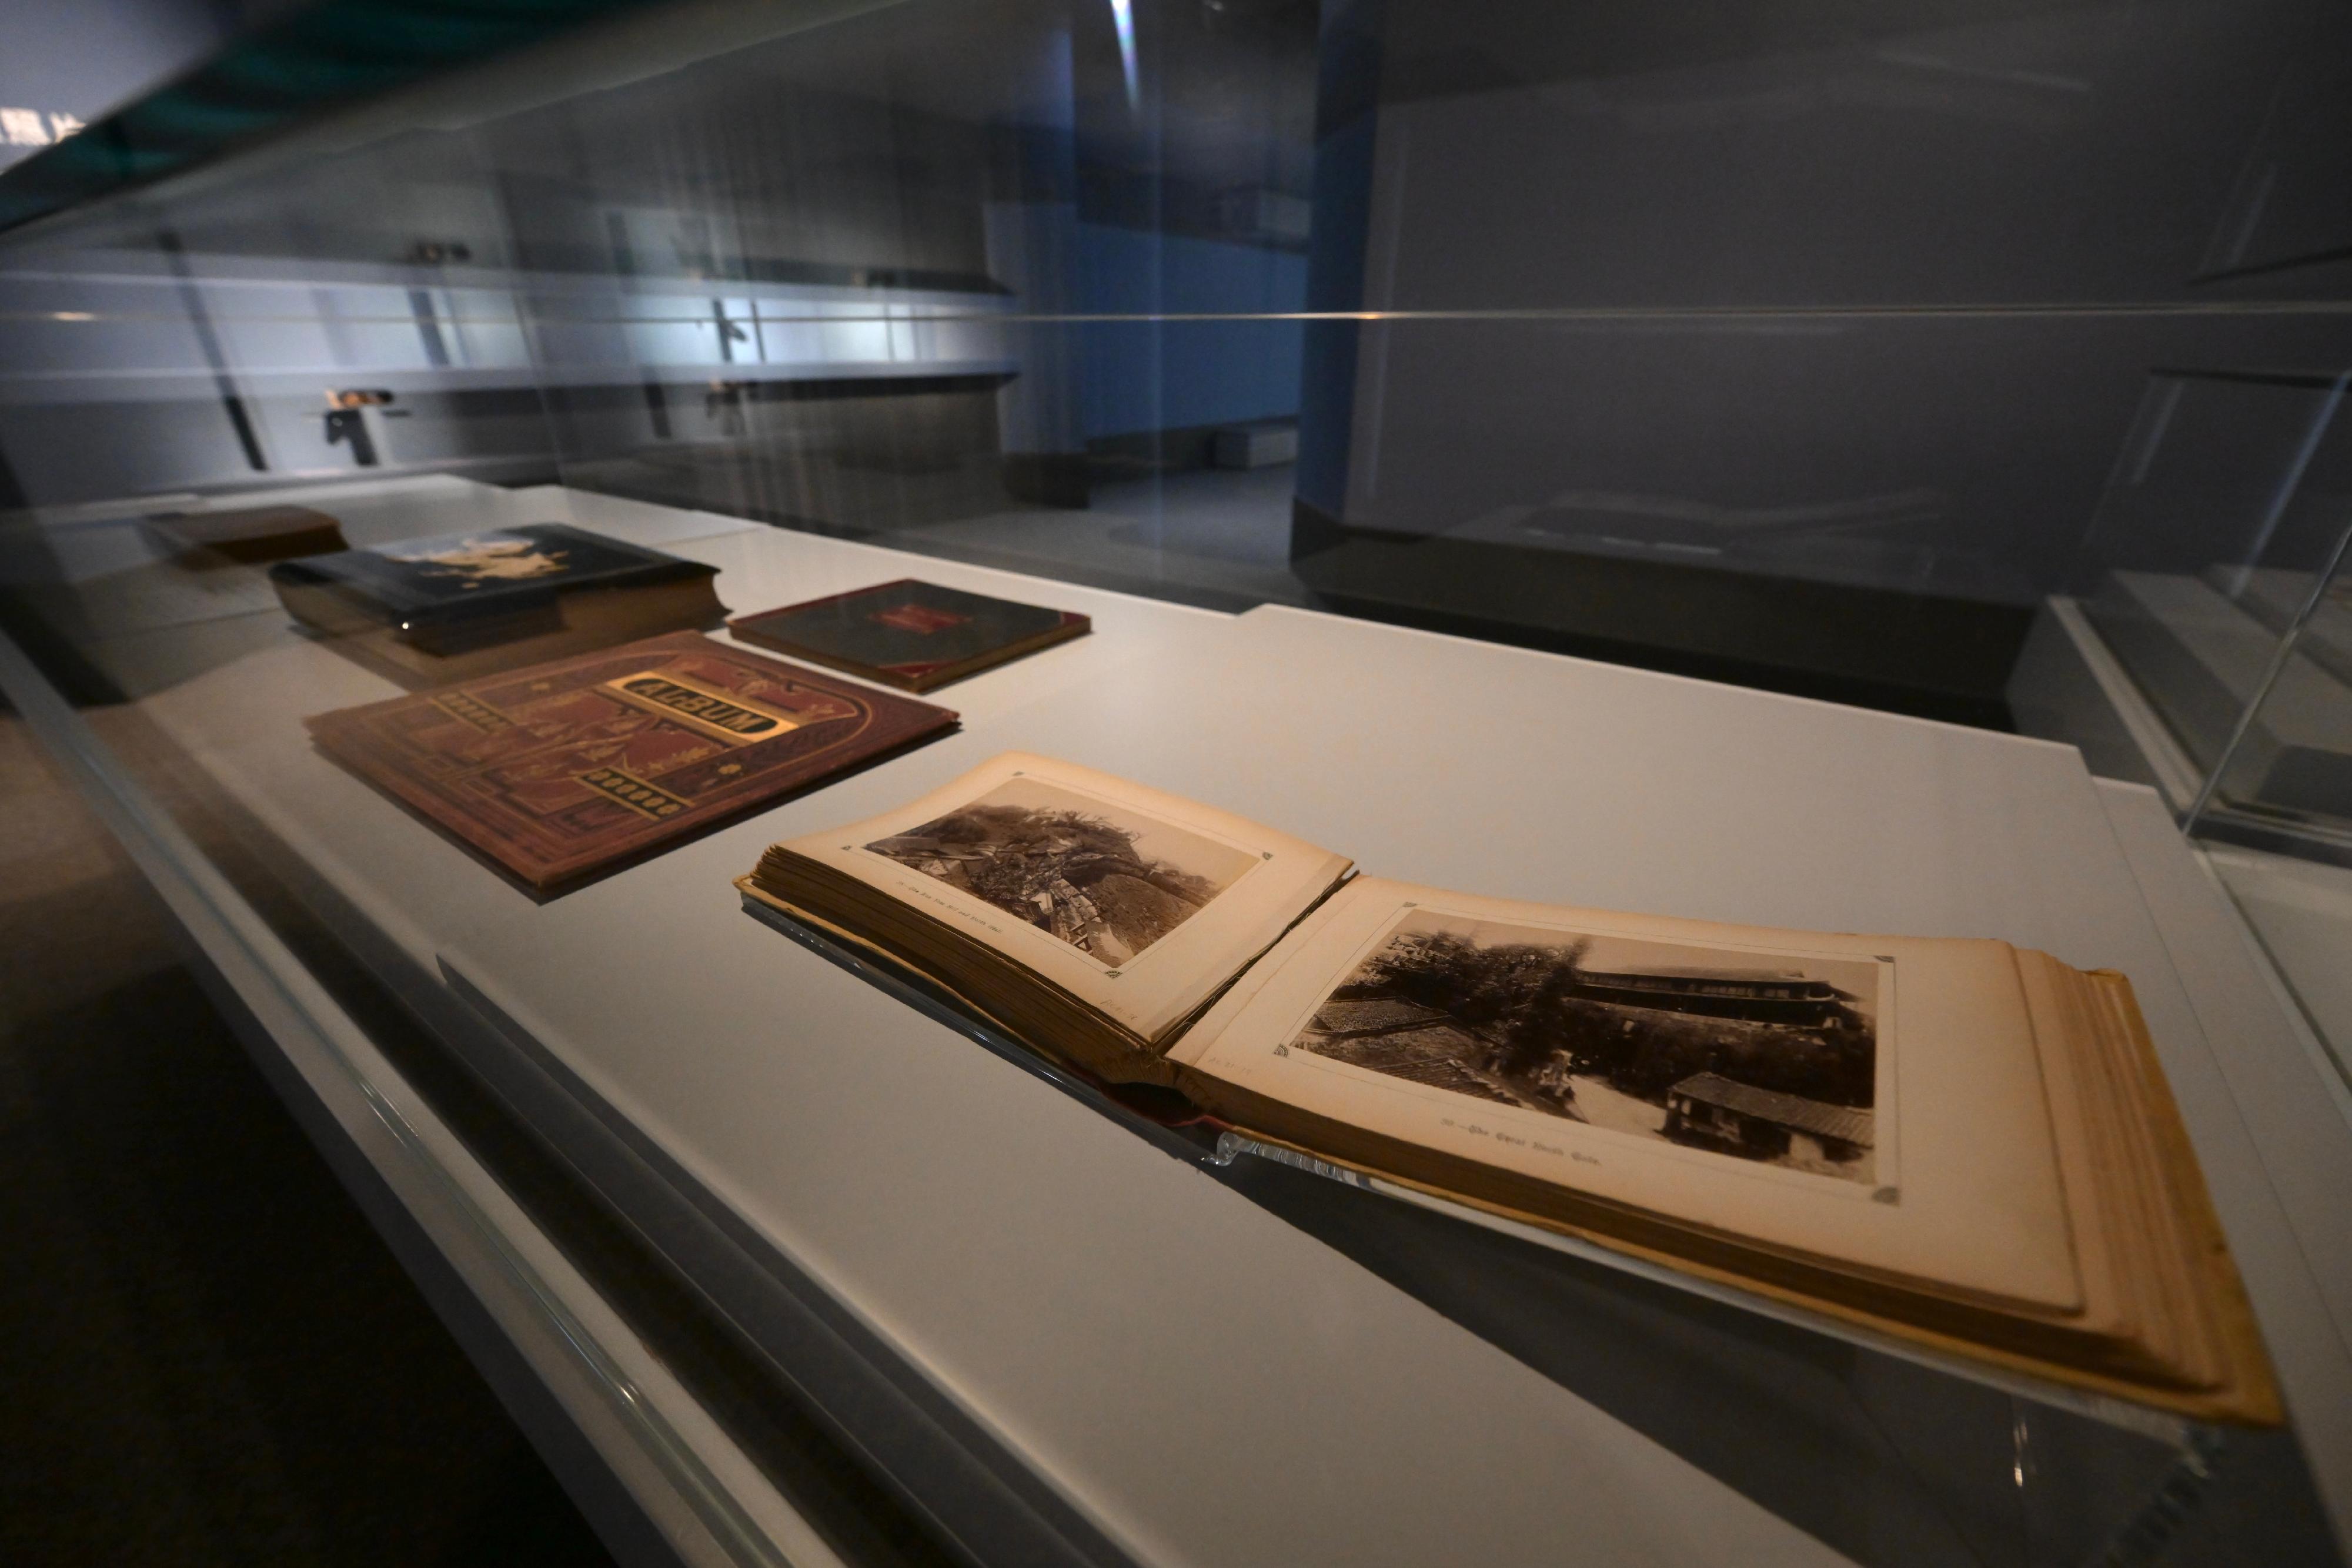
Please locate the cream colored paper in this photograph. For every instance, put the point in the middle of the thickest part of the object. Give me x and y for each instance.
(1262, 878)
(1964, 1188)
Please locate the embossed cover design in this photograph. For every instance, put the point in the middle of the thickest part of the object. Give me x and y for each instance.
(1952, 1143)
(911, 634)
(568, 769)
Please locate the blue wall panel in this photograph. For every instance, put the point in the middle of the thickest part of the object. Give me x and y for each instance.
(1173, 374)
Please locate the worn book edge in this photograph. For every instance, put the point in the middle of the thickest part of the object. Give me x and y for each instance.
(2256, 1403)
(2131, 1414)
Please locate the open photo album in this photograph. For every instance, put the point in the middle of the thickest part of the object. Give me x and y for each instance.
(1958, 1142)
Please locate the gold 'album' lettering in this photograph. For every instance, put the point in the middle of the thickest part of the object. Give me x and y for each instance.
(473, 711)
(633, 792)
(721, 714)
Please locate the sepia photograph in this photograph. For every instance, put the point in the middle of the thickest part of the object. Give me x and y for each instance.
(1771, 1057)
(1107, 880)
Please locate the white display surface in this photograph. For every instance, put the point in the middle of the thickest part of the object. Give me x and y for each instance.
(2273, 1125)
(1203, 1380)
(2302, 912)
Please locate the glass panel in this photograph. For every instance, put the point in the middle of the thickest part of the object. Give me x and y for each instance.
(2300, 909)
(2291, 760)
(1796, 352)
(2230, 508)
(1811, 346)
(2287, 786)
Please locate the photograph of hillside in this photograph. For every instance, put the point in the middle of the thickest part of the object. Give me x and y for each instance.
(1764, 1058)
(1107, 880)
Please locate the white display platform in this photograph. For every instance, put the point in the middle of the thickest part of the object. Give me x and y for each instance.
(2302, 910)
(1200, 1380)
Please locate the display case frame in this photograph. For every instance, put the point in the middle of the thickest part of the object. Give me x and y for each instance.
(2233, 1052)
(1497, 441)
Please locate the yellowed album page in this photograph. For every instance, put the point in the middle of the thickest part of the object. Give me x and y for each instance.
(1876, 1101)
(1137, 902)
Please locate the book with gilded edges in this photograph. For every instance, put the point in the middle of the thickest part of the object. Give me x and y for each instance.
(566, 769)
(911, 634)
(1952, 1145)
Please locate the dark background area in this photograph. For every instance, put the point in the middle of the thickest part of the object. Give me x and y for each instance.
(209, 1356)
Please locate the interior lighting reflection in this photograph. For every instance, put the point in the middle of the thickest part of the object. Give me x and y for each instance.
(1122, 15)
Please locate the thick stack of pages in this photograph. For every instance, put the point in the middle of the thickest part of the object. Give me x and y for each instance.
(458, 606)
(1958, 1142)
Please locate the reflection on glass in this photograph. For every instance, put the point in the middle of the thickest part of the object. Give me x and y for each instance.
(1799, 358)
(2225, 529)
(1811, 347)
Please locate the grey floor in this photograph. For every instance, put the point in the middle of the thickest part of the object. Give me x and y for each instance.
(206, 1356)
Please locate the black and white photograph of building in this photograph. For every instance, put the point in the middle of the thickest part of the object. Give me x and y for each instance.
(1107, 880)
(1771, 1057)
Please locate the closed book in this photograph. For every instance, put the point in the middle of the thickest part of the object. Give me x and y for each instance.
(455, 606)
(249, 536)
(561, 771)
(913, 636)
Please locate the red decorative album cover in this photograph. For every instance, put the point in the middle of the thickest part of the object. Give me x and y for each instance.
(568, 769)
(909, 634)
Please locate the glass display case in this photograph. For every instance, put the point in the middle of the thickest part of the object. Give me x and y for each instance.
(2201, 650)
(1723, 447)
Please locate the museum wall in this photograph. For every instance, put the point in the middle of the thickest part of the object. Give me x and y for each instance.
(1852, 296)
